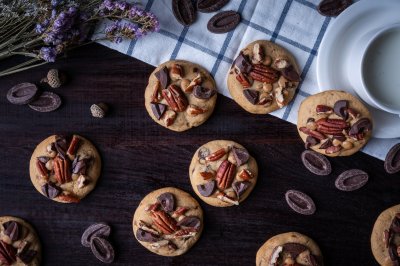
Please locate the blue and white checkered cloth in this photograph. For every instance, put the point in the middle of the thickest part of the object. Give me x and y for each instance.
(293, 24)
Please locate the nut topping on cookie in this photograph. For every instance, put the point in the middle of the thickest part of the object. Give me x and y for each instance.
(258, 54)
(169, 117)
(264, 73)
(175, 98)
(244, 80)
(323, 109)
(196, 81)
(215, 155)
(194, 110)
(225, 175)
(222, 196)
(73, 146)
(176, 71)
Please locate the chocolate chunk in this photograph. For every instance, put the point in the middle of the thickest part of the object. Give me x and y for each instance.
(351, 180)
(190, 221)
(80, 166)
(167, 201)
(203, 152)
(393, 252)
(12, 229)
(316, 163)
(184, 11)
(163, 77)
(332, 8)
(311, 141)
(47, 102)
(158, 109)
(294, 249)
(291, 74)
(209, 6)
(300, 202)
(102, 249)
(361, 126)
(242, 63)
(145, 236)
(395, 226)
(61, 146)
(251, 96)
(7, 253)
(313, 259)
(340, 109)
(326, 144)
(203, 93)
(241, 155)
(43, 159)
(392, 160)
(339, 137)
(240, 187)
(223, 22)
(22, 93)
(51, 191)
(27, 255)
(100, 229)
(207, 189)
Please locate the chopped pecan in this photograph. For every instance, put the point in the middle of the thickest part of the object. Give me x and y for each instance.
(175, 98)
(323, 109)
(156, 96)
(62, 170)
(312, 133)
(225, 174)
(164, 222)
(216, 155)
(194, 110)
(264, 73)
(187, 232)
(153, 207)
(353, 113)
(196, 81)
(41, 167)
(245, 174)
(169, 117)
(68, 198)
(280, 94)
(264, 99)
(73, 146)
(179, 211)
(222, 196)
(244, 80)
(258, 54)
(176, 71)
(333, 149)
(333, 123)
(281, 63)
(207, 175)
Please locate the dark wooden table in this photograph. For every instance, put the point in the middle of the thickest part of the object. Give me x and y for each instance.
(140, 156)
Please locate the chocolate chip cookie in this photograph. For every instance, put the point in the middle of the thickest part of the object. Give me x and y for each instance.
(223, 173)
(334, 123)
(19, 243)
(385, 238)
(180, 95)
(65, 169)
(289, 249)
(168, 222)
(263, 78)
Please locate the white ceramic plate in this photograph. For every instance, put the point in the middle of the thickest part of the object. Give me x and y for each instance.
(336, 47)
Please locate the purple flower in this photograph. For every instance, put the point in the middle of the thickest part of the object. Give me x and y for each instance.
(55, 3)
(108, 4)
(48, 54)
(122, 5)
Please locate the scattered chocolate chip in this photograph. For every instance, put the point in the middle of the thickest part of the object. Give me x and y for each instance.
(316, 163)
(102, 249)
(310, 119)
(190, 221)
(51, 191)
(43, 159)
(203, 152)
(240, 187)
(163, 77)
(294, 249)
(207, 189)
(332, 8)
(223, 22)
(251, 95)
(167, 201)
(209, 6)
(300, 202)
(145, 236)
(310, 141)
(313, 260)
(7, 253)
(27, 255)
(326, 144)
(203, 93)
(339, 137)
(47, 102)
(242, 63)
(351, 180)
(340, 109)
(361, 126)
(241, 155)
(12, 229)
(158, 109)
(99, 229)
(291, 74)
(22, 93)
(392, 160)
(393, 252)
(184, 11)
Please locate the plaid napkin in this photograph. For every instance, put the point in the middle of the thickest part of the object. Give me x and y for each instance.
(293, 24)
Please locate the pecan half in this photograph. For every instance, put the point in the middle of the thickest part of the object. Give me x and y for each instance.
(225, 174)
(264, 73)
(41, 167)
(323, 109)
(175, 98)
(194, 110)
(73, 146)
(156, 96)
(62, 170)
(244, 80)
(164, 222)
(216, 155)
(334, 123)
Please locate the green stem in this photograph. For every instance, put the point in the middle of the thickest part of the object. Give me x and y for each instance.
(8, 72)
(8, 52)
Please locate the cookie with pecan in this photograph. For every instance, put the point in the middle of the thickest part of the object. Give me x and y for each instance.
(223, 173)
(180, 95)
(168, 222)
(65, 169)
(263, 78)
(289, 249)
(385, 237)
(19, 243)
(334, 123)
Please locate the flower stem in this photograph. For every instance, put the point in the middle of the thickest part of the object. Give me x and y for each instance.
(18, 68)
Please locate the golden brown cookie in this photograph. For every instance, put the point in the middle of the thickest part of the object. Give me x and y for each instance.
(263, 78)
(65, 169)
(288, 249)
(223, 173)
(168, 222)
(334, 123)
(385, 237)
(180, 95)
(19, 244)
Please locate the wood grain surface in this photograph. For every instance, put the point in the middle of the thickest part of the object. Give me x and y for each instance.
(140, 156)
